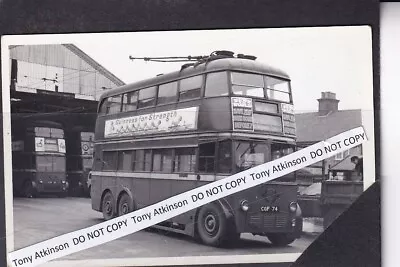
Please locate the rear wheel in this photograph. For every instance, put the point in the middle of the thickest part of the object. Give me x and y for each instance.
(212, 225)
(125, 205)
(28, 190)
(107, 205)
(281, 239)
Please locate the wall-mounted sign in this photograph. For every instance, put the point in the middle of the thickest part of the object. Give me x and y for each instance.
(87, 148)
(242, 113)
(159, 122)
(17, 145)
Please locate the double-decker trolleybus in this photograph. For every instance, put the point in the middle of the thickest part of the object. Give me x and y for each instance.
(38, 158)
(166, 135)
(79, 159)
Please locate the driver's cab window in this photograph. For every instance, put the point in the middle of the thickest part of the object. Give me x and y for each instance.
(249, 154)
(280, 150)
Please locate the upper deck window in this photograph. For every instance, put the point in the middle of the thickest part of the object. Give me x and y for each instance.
(216, 84)
(277, 89)
(114, 104)
(130, 101)
(147, 97)
(247, 84)
(42, 131)
(167, 93)
(190, 88)
(57, 133)
(49, 132)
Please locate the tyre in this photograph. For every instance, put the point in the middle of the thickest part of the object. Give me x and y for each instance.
(212, 226)
(125, 205)
(281, 239)
(107, 205)
(28, 190)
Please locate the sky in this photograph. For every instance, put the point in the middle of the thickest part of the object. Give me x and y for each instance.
(336, 59)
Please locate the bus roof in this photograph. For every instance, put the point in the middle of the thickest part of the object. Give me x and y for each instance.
(221, 64)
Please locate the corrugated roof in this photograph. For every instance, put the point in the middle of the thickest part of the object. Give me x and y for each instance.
(77, 51)
(311, 127)
(94, 64)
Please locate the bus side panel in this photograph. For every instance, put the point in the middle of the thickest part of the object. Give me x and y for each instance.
(215, 114)
(141, 192)
(160, 189)
(179, 187)
(99, 185)
(97, 191)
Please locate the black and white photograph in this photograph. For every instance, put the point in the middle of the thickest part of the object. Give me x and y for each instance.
(104, 124)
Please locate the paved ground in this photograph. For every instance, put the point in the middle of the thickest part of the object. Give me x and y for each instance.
(39, 219)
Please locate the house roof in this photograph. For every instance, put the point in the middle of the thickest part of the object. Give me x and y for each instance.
(312, 128)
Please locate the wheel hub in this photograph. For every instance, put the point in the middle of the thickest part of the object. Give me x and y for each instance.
(124, 208)
(108, 207)
(210, 223)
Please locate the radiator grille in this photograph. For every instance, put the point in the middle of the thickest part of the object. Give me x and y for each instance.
(267, 220)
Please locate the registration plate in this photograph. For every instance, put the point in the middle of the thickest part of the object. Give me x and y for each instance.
(270, 209)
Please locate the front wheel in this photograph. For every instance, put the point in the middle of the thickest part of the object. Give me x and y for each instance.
(108, 206)
(212, 225)
(281, 239)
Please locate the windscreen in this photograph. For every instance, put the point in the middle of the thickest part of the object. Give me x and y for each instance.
(260, 86)
(50, 163)
(249, 154)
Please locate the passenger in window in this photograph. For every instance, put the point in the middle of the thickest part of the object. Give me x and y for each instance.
(358, 161)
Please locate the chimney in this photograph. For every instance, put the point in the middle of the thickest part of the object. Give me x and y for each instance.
(327, 103)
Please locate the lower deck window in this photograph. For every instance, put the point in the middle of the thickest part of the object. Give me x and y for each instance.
(125, 160)
(225, 157)
(162, 160)
(109, 160)
(185, 160)
(207, 157)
